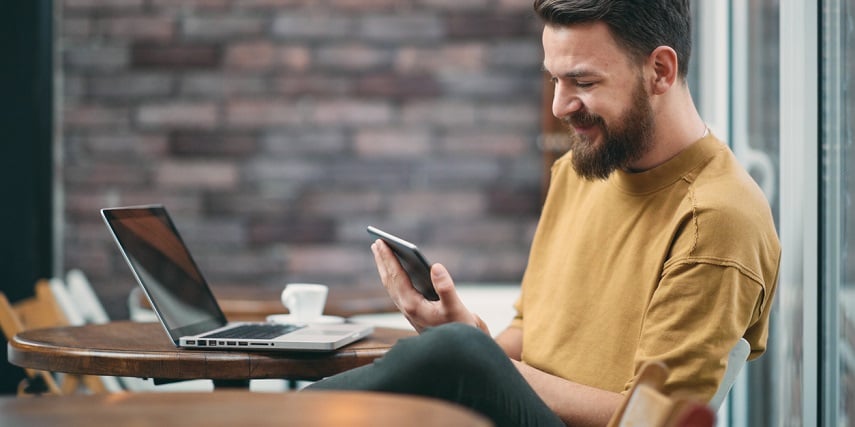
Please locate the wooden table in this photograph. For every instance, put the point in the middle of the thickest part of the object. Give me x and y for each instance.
(234, 408)
(133, 349)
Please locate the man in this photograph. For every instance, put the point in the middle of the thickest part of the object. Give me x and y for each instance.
(653, 244)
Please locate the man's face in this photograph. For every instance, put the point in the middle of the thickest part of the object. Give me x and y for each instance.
(600, 94)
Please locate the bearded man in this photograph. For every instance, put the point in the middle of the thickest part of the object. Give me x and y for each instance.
(654, 243)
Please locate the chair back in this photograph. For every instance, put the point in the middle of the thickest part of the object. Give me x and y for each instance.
(36, 312)
(50, 307)
(647, 406)
(87, 302)
(736, 360)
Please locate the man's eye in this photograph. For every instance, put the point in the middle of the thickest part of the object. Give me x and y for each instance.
(584, 85)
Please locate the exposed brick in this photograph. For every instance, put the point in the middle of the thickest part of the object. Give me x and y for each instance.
(457, 172)
(398, 86)
(137, 27)
(174, 56)
(523, 54)
(131, 86)
(485, 233)
(221, 85)
(256, 55)
(351, 112)
(94, 116)
(353, 57)
(291, 230)
(339, 203)
(177, 115)
(207, 144)
(495, 144)
(115, 145)
(305, 142)
(318, 260)
(441, 112)
(444, 59)
(482, 25)
(190, 5)
(246, 204)
(102, 175)
(455, 4)
(262, 113)
(366, 5)
(96, 57)
(293, 26)
(282, 174)
(294, 58)
(220, 175)
(316, 85)
(421, 205)
(221, 27)
(112, 5)
(514, 115)
(406, 143)
(424, 27)
(515, 202)
(488, 85)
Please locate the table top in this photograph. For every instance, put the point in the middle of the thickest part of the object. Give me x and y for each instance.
(236, 408)
(133, 349)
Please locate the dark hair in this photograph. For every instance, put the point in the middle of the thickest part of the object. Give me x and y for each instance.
(639, 26)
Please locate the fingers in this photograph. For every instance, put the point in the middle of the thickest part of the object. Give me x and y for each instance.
(392, 275)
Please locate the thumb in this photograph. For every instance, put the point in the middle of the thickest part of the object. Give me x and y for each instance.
(442, 282)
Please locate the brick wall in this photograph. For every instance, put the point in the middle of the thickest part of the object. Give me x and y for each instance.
(276, 130)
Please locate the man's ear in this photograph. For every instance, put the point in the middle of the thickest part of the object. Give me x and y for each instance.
(663, 62)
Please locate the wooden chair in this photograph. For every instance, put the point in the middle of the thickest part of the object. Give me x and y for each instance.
(42, 311)
(647, 406)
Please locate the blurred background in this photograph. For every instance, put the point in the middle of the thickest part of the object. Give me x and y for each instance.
(275, 131)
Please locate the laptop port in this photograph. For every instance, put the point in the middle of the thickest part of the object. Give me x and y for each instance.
(191, 342)
(231, 343)
(241, 343)
(202, 343)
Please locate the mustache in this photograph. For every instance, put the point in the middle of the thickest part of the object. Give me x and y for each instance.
(583, 118)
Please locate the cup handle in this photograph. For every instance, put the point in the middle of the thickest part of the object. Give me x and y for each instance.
(287, 298)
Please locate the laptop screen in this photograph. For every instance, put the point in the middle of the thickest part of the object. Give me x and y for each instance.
(164, 268)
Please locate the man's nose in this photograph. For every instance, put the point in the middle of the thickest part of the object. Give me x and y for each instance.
(564, 102)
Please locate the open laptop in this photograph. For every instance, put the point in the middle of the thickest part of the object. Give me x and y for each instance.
(184, 303)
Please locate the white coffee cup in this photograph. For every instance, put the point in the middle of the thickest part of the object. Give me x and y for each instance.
(305, 301)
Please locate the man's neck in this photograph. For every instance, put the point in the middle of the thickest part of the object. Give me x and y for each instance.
(677, 126)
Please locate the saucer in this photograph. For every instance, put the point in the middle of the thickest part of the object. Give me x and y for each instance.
(287, 318)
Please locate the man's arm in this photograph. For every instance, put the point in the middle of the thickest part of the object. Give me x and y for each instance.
(575, 404)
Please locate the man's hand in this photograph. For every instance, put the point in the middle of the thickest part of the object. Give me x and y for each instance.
(420, 312)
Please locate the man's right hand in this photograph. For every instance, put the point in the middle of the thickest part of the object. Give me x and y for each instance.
(420, 312)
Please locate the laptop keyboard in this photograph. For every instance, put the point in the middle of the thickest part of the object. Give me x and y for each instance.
(255, 331)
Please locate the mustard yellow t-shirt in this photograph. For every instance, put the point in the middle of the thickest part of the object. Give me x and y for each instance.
(675, 263)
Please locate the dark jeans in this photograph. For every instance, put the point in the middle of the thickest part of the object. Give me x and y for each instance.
(454, 362)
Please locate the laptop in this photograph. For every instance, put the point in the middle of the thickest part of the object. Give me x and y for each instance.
(183, 301)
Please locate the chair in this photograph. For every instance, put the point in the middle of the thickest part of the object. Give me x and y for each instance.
(735, 362)
(42, 311)
(84, 297)
(647, 406)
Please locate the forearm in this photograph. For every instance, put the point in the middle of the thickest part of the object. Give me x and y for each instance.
(575, 404)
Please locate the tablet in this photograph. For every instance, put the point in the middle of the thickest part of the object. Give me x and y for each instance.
(412, 260)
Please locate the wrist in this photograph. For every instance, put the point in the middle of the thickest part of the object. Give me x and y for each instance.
(479, 323)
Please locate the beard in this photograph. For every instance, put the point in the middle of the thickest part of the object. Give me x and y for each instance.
(624, 142)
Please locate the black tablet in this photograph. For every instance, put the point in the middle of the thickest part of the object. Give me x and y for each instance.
(414, 263)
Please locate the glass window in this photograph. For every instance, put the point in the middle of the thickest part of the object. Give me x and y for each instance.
(838, 185)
